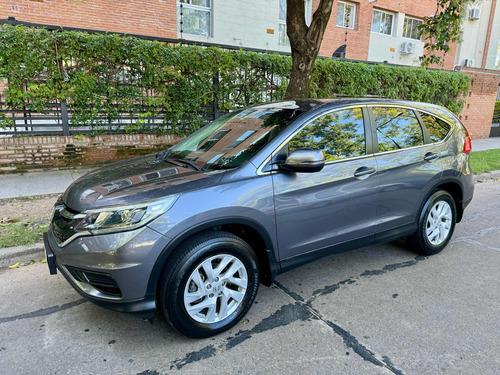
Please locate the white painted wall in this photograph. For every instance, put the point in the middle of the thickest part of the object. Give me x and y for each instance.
(474, 35)
(244, 24)
(386, 47)
(493, 58)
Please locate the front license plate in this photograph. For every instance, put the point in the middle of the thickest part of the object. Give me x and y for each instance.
(49, 255)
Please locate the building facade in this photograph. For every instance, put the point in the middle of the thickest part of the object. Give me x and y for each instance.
(480, 36)
(371, 30)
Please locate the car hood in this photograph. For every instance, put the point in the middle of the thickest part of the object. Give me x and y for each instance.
(134, 181)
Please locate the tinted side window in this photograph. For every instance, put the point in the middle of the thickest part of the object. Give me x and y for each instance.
(437, 128)
(339, 134)
(397, 128)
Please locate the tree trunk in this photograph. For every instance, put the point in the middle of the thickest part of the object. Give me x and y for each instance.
(300, 78)
(305, 43)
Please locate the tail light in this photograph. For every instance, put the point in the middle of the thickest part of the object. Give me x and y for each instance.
(467, 143)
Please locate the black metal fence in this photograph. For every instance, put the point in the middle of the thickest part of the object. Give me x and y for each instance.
(56, 119)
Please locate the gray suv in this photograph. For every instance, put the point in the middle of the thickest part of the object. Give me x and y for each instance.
(194, 229)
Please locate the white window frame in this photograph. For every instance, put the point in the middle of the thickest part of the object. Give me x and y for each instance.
(353, 21)
(412, 19)
(392, 23)
(308, 11)
(187, 5)
(282, 39)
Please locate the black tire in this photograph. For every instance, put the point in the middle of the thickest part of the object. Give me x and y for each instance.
(420, 241)
(185, 261)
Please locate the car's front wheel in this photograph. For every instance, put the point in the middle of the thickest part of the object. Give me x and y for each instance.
(209, 284)
(436, 224)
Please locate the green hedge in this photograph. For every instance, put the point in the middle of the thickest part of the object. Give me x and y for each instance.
(102, 75)
(334, 77)
(496, 112)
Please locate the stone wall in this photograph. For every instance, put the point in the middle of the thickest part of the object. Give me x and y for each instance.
(25, 154)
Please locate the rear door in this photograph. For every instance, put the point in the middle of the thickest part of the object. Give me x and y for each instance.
(406, 167)
(315, 211)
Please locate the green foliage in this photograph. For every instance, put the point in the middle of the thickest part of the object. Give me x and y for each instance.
(337, 78)
(496, 112)
(104, 76)
(441, 29)
(5, 122)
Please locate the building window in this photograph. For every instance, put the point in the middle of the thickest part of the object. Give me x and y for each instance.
(346, 14)
(213, 140)
(410, 28)
(497, 60)
(194, 17)
(382, 22)
(241, 138)
(282, 37)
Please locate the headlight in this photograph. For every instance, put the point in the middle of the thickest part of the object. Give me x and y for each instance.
(119, 218)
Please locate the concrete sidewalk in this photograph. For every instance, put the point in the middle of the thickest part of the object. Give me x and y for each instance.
(51, 182)
(485, 144)
(38, 183)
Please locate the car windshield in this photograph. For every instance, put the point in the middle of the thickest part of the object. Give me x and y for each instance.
(235, 138)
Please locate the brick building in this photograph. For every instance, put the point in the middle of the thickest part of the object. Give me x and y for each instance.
(146, 17)
(373, 30)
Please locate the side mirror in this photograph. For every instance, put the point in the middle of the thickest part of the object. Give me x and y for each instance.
(304, 160)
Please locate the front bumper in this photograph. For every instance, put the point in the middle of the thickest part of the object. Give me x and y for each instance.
(126, 264)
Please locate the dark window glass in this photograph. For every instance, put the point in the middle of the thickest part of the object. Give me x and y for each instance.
(397, 128)
(233, 139)
(437, 128)
(338, 134)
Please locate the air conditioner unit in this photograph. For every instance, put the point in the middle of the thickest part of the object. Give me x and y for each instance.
(407, 48)
(474, 13)
(469, 63)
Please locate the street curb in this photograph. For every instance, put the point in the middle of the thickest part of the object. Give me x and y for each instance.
(488, 176)
(12, 255)
(23, 254)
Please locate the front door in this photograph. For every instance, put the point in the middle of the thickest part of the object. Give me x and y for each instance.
(315, 211)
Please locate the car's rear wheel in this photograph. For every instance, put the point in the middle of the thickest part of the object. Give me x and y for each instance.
(209, 284)
(436, 224)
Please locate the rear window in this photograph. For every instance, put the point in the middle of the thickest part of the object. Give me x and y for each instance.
(437, 128)
(397, 128)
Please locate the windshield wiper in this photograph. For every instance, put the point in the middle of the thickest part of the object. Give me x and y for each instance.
(163, 155)
(182, 163)
(191, 163)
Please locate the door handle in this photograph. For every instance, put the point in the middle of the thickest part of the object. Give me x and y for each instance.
(364, 171)
(430, 156)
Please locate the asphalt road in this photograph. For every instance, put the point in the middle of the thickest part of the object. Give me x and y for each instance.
(377, 310)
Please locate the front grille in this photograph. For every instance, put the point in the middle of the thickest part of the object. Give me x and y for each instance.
(63, 224)
(103, 282)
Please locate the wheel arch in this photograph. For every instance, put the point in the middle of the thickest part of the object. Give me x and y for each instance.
(248, 230)
(455, 189)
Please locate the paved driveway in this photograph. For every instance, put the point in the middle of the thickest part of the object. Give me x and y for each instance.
(377, 310)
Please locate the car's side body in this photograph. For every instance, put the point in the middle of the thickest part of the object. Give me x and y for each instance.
(288, 219)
